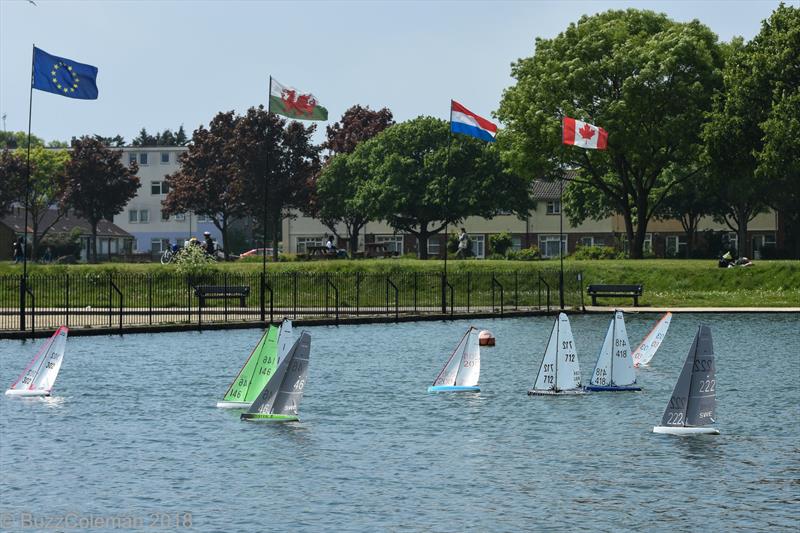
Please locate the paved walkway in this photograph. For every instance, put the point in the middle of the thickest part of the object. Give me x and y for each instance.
(598, 308)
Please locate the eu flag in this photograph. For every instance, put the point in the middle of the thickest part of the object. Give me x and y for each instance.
(63, 76)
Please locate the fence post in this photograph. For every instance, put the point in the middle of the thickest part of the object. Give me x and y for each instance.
(327, 282)
(109, 298)
(150, 297)
(294, 295)
(415, 292)
(444, 294)
(225, 300)
(516, 290)
(469, 288)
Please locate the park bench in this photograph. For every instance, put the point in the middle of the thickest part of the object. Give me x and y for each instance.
(615, 291)
(209, 292)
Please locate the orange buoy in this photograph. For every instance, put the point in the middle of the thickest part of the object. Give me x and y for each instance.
(486, 338)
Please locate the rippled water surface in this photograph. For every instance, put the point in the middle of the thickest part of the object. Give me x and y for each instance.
(132, 431)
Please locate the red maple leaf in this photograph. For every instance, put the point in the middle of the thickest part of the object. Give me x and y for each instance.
(586, 131)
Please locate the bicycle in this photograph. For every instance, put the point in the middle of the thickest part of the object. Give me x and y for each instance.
(167, 256)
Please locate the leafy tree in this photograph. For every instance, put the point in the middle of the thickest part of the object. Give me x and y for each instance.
(47, 170)
(335, 200)
(689, 201)
(9, 140)
(118, 141)
(180, 137)
(644, 78)
(58, 144)
(13, 170)
(144, 139)
(421, 177)
(775, 70)
(96, 185)
(208, 182)
(276, 160)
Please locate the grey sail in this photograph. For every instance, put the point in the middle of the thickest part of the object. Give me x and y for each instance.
(263, 403)
(703, 395)
(693, 400)
(291, 388)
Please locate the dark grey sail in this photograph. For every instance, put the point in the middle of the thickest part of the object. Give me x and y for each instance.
(694, 399)
(263, 403)
(291, 389)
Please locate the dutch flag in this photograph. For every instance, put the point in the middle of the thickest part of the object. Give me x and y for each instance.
(464, 121)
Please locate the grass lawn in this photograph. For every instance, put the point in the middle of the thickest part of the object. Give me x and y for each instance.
(667, 282)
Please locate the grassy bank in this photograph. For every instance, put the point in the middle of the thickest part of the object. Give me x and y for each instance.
(666, 282)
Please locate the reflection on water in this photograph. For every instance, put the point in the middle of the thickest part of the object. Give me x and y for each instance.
(132, 428)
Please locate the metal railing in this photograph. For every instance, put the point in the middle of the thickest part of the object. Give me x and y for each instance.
(129, 299)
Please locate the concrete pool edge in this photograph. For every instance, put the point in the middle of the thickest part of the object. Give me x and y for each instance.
(77, 331)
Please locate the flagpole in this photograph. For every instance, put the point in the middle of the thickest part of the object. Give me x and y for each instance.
(266, 183)
(560, 243)
(24, 282)
(447, 211)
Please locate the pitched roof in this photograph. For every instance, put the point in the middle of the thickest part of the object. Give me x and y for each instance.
(66, 224)
(550, 189)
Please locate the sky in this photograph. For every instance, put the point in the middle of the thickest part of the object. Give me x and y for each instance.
(168, 63)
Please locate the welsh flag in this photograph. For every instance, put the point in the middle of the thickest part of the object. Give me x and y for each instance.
(584, 134)
(290, 102)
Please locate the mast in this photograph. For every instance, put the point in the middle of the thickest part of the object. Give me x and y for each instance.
(558, 344)
(613, 346)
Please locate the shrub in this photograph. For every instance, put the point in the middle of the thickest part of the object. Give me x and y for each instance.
(496, 257)
(526, 254)
(597, 252)
(193, 261)
(500, 243)
(61, 244)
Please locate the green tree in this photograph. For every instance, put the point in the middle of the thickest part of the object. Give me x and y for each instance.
(689, 201)
(644, 78)
(208, 182)
(13, 170)
(47, 171)
(276, 159)
(180, 137)
(10, 140)
(96, 184)
(335, 198)
(144, 139)
(421, 177)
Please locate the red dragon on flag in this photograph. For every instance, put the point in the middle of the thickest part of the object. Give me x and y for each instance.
(290, 102)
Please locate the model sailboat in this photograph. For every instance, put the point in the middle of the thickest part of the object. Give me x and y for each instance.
(614, 368)
(690, 410)
(560, 371)
(39, 376)
(259, 367)
(647, 349)
(462, 370)
(280, 398)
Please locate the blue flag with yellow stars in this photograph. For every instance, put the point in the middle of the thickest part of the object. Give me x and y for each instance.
(62, 76)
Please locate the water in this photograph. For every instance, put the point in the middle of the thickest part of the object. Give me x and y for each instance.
(132, 432)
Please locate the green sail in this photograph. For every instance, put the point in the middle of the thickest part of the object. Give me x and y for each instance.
(257, 370)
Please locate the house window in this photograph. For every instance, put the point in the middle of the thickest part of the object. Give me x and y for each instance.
(394, 243)
(144, 216)
(143, 158)
(131, 158)
(553, 207)
(304, 242)
(155, 187)
(586, 241)
(548, 245)
(133, 216)
(676, 245)
(164, 157)
(159, 245)
(180, 217)
(164, 215)
(647, 245)
(434, 245)
(478, 246)
(516, 243)
(203, 218)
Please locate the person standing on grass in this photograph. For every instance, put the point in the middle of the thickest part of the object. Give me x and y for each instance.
(19, 250)
(463, 245)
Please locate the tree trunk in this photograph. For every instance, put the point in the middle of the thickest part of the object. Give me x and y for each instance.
(224, 231)
(422, 244)
(275, 222)
(626, 216)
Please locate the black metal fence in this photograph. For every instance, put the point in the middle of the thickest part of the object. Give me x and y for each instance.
(117, 300)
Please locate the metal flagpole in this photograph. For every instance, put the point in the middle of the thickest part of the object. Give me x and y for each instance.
(24, 281)
(447, 213)
(560, 243)
(266, 188)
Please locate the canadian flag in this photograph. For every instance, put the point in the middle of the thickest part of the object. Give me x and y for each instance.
(584, 134)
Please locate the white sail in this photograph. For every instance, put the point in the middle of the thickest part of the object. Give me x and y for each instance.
(285, 339)
(602, 370)
(469, 370)
(568, 369)
(40, 375)
(622, 372)
(448, 374)
(546, 379)
(647, 349)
